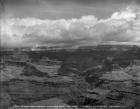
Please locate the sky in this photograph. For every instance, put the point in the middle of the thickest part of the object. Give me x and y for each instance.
(27, 23)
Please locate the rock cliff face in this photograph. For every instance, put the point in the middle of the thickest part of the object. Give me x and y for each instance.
(103, 75)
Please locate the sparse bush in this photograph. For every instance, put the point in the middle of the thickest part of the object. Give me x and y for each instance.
(76, 92)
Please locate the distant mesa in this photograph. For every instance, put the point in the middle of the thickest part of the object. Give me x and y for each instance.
(117, 75)
(113, 46)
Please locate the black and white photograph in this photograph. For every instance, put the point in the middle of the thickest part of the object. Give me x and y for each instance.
(69, 54)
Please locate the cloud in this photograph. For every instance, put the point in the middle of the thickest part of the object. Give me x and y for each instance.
(123, 26)
(60, 2)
